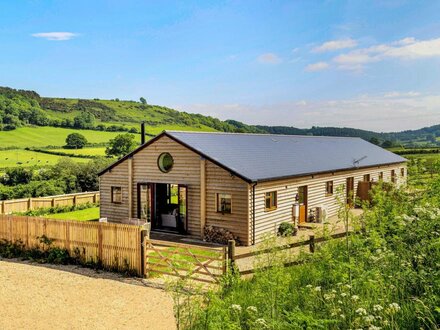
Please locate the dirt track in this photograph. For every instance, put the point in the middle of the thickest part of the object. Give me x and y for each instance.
(37, 297)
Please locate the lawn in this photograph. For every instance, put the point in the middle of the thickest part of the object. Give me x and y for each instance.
(81, 215)
(98, 151)
(50, 136)
(25, 158)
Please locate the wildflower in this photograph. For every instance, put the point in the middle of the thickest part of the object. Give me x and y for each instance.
(252, 309)
(261, 323)
(354, 297)
(369, 318)
(329, 296)
(343, 294)
(373, 327)
(377, 308)
(317, 289)
(340, 302)
(348, 286)
(361, 311)
(236, 308)
(342, 316)
(393, 308)
(309, 286)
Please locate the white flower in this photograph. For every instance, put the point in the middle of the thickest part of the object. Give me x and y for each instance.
(317, 289)
(343, 294)
(361, 311)
(340, 302)
(309, 286)
(252, 309)
(393, 308)
(354, 297)
(261, 322)
(373, 327)
(236, 308)
(329, 296)
(369, 318)
(342, 316)
(377, 308)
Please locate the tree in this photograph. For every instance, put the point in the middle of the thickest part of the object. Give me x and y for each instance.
(75, 141)
(375, 140)
(387, 144)
(84, 120)
(143, 100)
(121, 145)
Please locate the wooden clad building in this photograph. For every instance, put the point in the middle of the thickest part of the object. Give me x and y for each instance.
(245, 183)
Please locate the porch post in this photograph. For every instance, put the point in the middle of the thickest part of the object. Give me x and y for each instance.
(130, 187)
(202, 196)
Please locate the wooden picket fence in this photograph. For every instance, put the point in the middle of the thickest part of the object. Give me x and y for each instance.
(116, 246)
(26, 204)
(194, 262)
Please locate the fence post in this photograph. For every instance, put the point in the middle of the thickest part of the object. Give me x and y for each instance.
(144, 270)
(312, 243)
(52, 202)
(231, 254)
(2, 207)
(100, 242)
(30, 204)
(74, 200)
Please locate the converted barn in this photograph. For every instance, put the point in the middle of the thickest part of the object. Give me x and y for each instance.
(246, 183)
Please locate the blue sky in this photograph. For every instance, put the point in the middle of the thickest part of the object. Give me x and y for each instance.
(365, 64)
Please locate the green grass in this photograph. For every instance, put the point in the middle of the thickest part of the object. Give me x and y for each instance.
(98, 151)
(12, 158)
(50, 136)
(81, 215)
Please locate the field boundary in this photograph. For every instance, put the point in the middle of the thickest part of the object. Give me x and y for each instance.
(27, 204)
(115, 246)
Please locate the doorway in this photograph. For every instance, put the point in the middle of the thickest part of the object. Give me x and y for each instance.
(350, 191)
(302, 200)
(164, 205)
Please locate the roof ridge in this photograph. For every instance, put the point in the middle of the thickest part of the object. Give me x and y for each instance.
(263, 134)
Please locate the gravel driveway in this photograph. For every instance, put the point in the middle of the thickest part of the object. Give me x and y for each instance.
(38, 297)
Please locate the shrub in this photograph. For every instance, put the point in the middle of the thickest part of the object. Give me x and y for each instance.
(286, 229)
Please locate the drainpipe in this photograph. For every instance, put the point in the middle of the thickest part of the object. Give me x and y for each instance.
(253, 213)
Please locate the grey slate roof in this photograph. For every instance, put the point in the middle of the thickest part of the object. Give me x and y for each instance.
(261, 157)
(264, 157)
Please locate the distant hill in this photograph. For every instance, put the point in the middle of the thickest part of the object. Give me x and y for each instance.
(20, 108)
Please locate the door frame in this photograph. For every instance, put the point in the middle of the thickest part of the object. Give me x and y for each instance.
(349, 187)
(304, 205)
(152, 188)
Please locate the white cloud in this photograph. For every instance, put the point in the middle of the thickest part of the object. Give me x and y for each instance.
(335, 45)
(269, 58)
(407, 49)
(393, 111)
(57, 36)
(316, 67)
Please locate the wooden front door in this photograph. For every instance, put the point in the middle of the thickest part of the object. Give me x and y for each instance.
(302, 194)
(350, 190)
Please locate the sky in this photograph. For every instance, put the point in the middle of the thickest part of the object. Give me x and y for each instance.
(366, 64)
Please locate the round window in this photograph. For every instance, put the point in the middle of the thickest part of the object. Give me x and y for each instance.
(165, 162)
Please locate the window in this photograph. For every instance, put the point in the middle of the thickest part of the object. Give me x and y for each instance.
(271, 201)
(329, 188)
(116, 195)
(393, 176)
(380, 176)
(367, 177)
(402, 172)
(224, 203)
(165, 162)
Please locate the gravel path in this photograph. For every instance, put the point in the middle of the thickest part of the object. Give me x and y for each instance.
(38, 297)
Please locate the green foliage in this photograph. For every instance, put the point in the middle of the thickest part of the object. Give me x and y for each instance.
(57, 209)
(85, 120)
(143, 100)
(387, 278)
(76, 141)
(121, 145)
(286, 229)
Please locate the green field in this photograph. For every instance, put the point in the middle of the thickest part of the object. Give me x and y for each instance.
(98, 151)
(25, 158)
(50, 136)
(81, 215)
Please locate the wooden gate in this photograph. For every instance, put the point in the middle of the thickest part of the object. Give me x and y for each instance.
(185, 261)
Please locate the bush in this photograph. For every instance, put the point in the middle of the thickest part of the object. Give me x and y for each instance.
(286, 229)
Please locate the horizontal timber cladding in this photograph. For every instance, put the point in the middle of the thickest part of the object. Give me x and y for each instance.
(219, 180)
(267, 222)
(186, 171)
(117, 177)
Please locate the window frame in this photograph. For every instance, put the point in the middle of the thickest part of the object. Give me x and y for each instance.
(393, 176)
(217, 200)
(402, 172)
(367, 178)
(273, 197)
(114, 201)
(380, 176)
(329, 184)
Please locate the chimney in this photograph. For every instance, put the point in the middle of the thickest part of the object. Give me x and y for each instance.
(142, 133)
